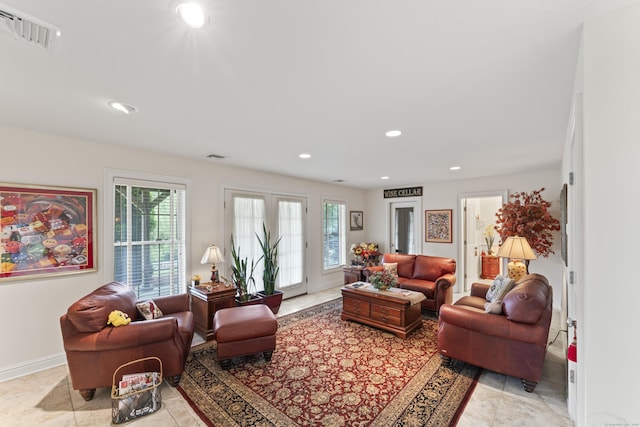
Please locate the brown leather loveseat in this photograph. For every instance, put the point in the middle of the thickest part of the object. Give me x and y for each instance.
(512, 343)
(94, 350)
(433, 276)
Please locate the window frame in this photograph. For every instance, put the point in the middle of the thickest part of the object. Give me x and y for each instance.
(154, 180)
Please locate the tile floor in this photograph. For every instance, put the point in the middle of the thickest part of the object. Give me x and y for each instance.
(46, 398)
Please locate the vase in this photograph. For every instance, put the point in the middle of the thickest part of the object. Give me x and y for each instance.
(273, 301)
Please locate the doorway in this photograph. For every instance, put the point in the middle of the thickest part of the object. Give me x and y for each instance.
(403, 227)
(477, 211)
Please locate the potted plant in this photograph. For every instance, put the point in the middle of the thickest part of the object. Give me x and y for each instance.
(242, 277)
(528, 216)
(270, 295)
(383, 280)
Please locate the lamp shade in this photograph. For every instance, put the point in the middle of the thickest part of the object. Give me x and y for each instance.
(516, 247)
(212, 255)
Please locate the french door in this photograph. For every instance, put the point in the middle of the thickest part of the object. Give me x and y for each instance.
(285, 217)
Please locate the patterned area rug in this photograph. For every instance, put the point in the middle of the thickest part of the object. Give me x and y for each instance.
(328, 372)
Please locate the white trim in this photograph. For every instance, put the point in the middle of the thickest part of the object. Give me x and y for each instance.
(32, 366)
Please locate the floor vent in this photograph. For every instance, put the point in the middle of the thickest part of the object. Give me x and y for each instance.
(25, 27)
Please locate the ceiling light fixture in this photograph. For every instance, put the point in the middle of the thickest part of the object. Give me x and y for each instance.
(454, 168)
(393, 133)
(123, 108)
(191, 14)
(305, 156)
(384, 177)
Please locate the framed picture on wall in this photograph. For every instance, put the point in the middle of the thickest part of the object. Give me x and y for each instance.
(438, 226)
(356, 220)
(46, 231)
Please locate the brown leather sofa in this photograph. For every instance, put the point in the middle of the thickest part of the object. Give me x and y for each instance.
(512, 343)
(433, 276)
(94, 350)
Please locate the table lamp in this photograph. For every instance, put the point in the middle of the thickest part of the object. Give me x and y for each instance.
(212, 255)
(516, 249)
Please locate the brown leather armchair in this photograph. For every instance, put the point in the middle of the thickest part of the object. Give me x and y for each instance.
(512, 343)
(432, 275)
(94, 350)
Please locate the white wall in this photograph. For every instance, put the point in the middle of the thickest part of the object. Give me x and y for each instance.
(444, 195)
(34, 306)
(607, 342)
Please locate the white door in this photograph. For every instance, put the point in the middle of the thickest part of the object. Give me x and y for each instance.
(472, 265)
(574, 259)
(285, 218)
(481, 210)
(404, 227)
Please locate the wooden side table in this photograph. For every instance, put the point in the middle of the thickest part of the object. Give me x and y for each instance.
(490, 266)
(204, 305)
(353, 274)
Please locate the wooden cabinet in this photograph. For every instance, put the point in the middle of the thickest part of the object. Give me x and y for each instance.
(353, 274)
(490, 266)
(204, 305)
(382, 310)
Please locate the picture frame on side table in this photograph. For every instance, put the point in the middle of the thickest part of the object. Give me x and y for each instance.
(438, 226)
(356, 220)
(46, 231)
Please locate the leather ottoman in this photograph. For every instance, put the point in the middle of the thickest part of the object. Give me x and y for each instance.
(241, 331)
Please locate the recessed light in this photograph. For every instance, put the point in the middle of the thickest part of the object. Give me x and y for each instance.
(393, 133)
(454, 168)
(123, 108)
(305, 156)
(384, 177)
(191, 14)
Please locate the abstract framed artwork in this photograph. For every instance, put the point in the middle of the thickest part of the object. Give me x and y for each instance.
(46, 231)
(356, 220)
(438, 226)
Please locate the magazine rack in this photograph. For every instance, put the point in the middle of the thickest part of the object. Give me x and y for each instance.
(136, 403)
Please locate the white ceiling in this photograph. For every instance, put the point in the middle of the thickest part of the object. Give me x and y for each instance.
(485, 85)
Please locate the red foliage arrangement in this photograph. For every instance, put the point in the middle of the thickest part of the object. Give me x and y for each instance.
(528, 216)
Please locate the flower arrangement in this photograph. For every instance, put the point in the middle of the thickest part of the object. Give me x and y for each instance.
(195, 279)
(383, 280)
(528, 216)
(489, 236)
(366, 252)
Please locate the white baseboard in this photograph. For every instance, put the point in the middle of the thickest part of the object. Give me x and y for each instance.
(32, 366)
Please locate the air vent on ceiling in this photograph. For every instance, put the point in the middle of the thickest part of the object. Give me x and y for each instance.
(26, 27)
(216, 156)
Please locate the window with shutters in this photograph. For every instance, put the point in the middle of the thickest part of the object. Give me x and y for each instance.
(333, 234)
(149, 236)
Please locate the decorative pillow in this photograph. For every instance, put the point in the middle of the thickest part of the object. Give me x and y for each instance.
(496, 287)
(493, 307)
(391, 267)
(507, 285)
(149, 310)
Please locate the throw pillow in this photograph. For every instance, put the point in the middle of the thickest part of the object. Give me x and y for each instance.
(496, 293)
(495, 288)
(507, 285)
(391, 267)
(493, 307)
(149, 310)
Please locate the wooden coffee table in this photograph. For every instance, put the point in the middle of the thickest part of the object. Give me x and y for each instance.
(396, 310)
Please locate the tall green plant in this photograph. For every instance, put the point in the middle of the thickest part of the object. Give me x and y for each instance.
(241, 274)
(270, 257)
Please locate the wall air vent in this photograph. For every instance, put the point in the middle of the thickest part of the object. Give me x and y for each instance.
(26, 27)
